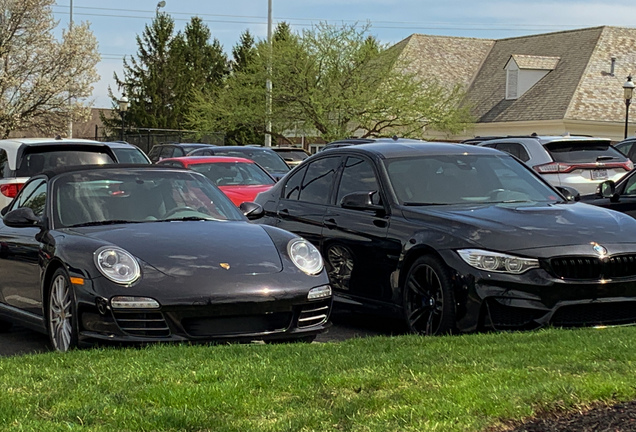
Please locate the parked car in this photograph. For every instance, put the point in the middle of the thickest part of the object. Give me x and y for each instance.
(457, 237)
(169, 150)
(267, 158)
(152, 254)
(292, 155)
(575, 161)
(128, 153)
(239, 178)
(627, 147)
(619, 196)
(20, 158)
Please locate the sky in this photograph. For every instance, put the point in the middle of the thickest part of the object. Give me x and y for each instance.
(117, 23)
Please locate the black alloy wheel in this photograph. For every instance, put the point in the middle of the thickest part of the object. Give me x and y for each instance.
(428, 301)
(61, 313)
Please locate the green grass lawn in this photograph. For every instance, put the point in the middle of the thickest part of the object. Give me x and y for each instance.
(405, 383)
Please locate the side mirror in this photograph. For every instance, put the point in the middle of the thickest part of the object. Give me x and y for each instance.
(4, 211)
(252, 210)
(360, 201)
(570, 194)
(22, 217)
(606, 189)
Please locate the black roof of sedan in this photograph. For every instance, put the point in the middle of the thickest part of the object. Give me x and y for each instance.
(118, 167)
(399, 149)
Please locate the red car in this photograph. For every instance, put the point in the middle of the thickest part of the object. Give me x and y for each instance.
(239, 178)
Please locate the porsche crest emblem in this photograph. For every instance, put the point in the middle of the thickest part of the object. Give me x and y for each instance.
(226, 266)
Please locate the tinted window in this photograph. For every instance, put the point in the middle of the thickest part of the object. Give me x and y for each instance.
(166, 152)
(130, 155)
(4, 164)
(515, 149)
(318, 181)
(32, 196)
(583, 152)
(154, 152)
(357, 176)
(292, 187)
(34, 163)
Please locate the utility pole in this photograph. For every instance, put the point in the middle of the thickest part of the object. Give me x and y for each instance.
(70, 92)
(268, 83)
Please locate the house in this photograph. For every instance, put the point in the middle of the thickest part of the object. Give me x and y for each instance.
(553, 83)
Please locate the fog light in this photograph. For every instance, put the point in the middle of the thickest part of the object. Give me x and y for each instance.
(126, 302)
(320, 292)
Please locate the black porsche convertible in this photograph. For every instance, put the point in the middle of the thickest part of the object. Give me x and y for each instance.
(147, 253)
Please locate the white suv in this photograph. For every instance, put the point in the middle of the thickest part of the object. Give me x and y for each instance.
(21, 158)
(575, 161)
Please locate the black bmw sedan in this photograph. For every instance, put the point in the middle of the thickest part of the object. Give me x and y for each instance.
(457, 237)
(146, 254)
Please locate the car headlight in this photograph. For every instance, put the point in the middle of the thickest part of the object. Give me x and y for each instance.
(497, 262)
(117, 264)
(305, 256)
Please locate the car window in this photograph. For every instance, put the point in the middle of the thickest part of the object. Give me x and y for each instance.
(292, 186)
(166, 152)
(457, 179)
(154, 152)
(583, 151)
(625, 147)
(357, 176)
(4, 164)
(630, 187)
(32, 196)
(37, 161)
(233, 173)
(318, 181)
(130, 155)
(515, 149)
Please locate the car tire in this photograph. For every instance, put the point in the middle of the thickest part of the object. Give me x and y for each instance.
(428, 300)
(61, 313)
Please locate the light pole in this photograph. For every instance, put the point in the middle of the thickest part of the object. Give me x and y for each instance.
(123, 107)
(268, 82)
(628, 88)
(159, 6)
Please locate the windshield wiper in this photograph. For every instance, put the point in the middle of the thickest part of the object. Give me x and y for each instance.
(186, 218)
(106, 222)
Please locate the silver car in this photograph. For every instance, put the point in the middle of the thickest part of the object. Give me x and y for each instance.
(578, 162)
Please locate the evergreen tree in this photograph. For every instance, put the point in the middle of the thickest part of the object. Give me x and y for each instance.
(244, 53)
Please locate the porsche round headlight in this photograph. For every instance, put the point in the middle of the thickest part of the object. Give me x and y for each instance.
(117, 264)
(305, 256)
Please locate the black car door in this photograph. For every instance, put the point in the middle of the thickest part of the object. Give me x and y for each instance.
(20, 253)
(358, 256)
(301, 208)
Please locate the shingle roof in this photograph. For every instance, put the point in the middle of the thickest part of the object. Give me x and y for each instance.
(549, 99)
(535, 62)
(451, 60)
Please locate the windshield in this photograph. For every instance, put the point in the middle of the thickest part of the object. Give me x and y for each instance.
(117, 196)
(268, 159)
(460, 179)
(234, 173)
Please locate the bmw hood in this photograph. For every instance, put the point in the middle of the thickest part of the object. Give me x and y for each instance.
(182, 248)
(516, 227)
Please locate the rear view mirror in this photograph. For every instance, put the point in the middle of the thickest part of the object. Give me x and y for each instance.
(252, 210)
(361, 201)
(570, 194)
(22, 217)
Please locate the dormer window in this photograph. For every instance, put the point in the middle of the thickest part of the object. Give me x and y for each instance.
(524, 71)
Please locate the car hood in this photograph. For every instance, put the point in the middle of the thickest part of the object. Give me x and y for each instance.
(179, 248)
(515, 227)
(240, 194)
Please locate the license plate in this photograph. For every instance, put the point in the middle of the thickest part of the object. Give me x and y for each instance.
(599, 174)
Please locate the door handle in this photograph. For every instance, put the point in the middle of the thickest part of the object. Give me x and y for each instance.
(330, 223)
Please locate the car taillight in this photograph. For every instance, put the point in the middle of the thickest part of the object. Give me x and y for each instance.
(560, 167)
(10, 190)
